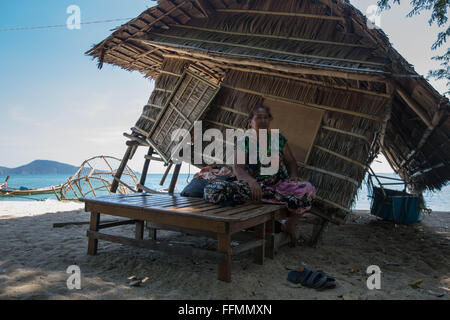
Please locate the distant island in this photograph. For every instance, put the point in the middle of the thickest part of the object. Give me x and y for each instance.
(41, 167)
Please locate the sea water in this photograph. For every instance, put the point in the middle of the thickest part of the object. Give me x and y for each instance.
(437, 201)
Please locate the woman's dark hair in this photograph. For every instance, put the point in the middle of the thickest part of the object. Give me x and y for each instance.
(258, 107)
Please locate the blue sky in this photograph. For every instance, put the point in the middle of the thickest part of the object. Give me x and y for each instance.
(55, 104)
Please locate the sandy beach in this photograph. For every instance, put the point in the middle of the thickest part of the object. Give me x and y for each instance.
(414, 261)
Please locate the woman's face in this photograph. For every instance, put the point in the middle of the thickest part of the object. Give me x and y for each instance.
(260, 120)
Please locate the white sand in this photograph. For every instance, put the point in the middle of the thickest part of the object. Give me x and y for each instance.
(34, 257)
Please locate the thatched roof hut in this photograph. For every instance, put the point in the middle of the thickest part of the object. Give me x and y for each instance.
(335, 83)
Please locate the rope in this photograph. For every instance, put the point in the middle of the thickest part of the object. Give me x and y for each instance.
(60, 25)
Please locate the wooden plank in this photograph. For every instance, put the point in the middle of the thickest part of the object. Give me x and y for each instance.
(77, 223)
(267, 208)
(247, 246)
(161, 246)
(115, 224)
(233, 209)
(161, 216)
(238, 226)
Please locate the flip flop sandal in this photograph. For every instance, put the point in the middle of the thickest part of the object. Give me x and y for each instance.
(297, 277)
(330, 281)
(316, 280)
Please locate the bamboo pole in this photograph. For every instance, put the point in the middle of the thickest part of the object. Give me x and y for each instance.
(303, 104)
(427, 133)
(202, 8)
(145, 168)
(318, 126)
(341, 156)
(347, 133)
(268, 36)
(222, 124)
(248, 60)
(56, 195)
(285, 14)
(170, 73)
(331, 173)
(290, 77)
(334, 204)
(270, 50)
(92, 188)
(163, 90)
(119, 171)
(414, 106)
(148, 118)
(70, 186)
(174, 178)
(163, 179)
(233, 111)
(301, 79)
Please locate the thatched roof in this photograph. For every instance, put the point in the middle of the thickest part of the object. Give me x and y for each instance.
(321, 53)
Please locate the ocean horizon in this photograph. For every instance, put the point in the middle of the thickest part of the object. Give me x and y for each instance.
(436, 201)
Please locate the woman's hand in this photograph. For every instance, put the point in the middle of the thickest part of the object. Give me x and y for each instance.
(256, 190)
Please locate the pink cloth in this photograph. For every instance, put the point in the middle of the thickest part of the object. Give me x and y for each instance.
(301, 190)
(208, 173)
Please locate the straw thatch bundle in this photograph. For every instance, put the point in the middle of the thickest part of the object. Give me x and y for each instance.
(349, 89)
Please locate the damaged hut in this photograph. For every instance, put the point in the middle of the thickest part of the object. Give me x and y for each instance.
(337, 88)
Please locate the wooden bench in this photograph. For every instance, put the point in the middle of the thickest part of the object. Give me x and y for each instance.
(194, 214)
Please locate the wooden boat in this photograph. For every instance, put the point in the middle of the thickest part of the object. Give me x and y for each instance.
(18, 192)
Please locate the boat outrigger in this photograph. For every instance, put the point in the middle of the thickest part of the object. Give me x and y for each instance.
(13, 192)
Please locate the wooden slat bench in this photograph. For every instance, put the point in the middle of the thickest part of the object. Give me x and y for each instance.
(187, 214)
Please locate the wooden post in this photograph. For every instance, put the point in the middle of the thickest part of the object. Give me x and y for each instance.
(224, 245)
(259, 252)
(122, 166)
(139, 233)
(93, 226)
(163, 179)
(173, 182)
(270, 239)
(145, 168)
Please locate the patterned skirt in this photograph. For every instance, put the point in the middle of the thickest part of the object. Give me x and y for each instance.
(296, 195)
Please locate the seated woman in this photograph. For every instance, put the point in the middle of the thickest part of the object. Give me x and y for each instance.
(282, 187)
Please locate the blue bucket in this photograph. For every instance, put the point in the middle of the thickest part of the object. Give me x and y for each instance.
(397, 206)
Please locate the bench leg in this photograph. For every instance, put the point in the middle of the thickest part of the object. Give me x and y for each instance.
(93, 226)
(270, 239)
(259, 252)
(152, 233)
(139, 233)
(224, 245)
